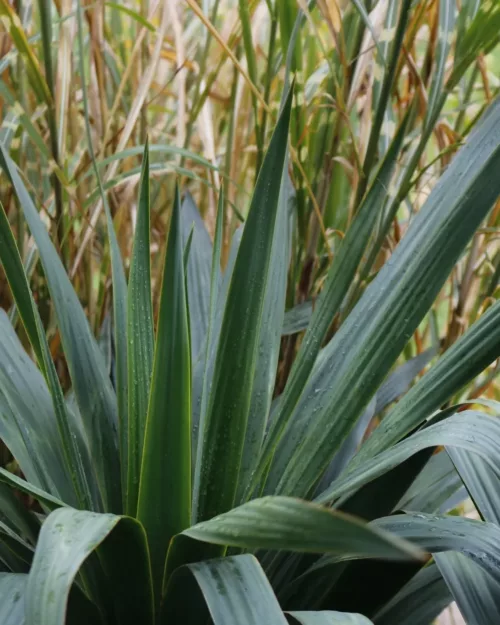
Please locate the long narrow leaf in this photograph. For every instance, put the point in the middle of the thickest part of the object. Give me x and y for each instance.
(224, 431)
(203, 370)
(235, 590)
(28, 425)
(119, 283)
(419, 602)
(94, 394)
(327, 617)
(72, 446)
(12, 589)
(198, 272)
(477, 540)
(446, 24)
(164, 505)
(330, 299)
(297, 318)
(477, 595)
(67, 539)
(394, 304)
(480, 480)
(269, 339)
(295, 525)
(471, 430)
(474, 351)
(140, 338)
(46, 499)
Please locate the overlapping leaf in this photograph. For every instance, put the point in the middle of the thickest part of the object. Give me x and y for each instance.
(94, 394)
(224, 430)
(393, 305)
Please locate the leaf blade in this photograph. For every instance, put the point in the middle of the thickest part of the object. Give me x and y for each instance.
(235, 590)
(95, 396)
(330, 299)
(466, 358)
(164, 505)
(140, 332)
(477, 595)
(394, 303)
(12, 589)
(219, 463)
(328, 617)
(296, 525)
(67, 539)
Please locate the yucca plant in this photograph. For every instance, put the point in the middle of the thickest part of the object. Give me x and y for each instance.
(182, 492)
(175, 484)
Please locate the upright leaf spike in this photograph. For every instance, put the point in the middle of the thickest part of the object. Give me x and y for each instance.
(140, 338)
(220, 451)
(164, 505)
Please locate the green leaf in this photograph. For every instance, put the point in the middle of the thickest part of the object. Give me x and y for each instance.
(383, 99)
(119, 286)
(249, 47)
(120, 349)
(301, 381)
(131, 13)
(297, 318)
(165, 489)
(473, 352)
(269, 341)
(186, 254)
(419, 602)
(12, 589)
(161, 149)
(433, 488)
(17, 516)
(400, 380)
(16, 277)
(480, 37)
(235, 590)
(140, 338)
(68, 441)
(478, 540)
(380, 69)
(197, 273)
(28, 425)
(68, 537)
(327, 617)
(203, 369)
(19, 548)
(71, 443)
(480, 480)
(367, 344)
(446, 26)
(46, 499)
(395, 385)
(223, 434)
(92, 387)
(296, 525)
(471, 430)
(477, 595)
(106, 343)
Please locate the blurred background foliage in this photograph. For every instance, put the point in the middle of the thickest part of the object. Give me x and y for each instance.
(203, 82)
